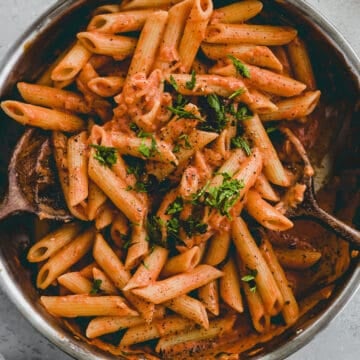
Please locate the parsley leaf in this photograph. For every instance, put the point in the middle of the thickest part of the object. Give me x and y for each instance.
(105, 155)
(243, 113)
(182, 113)
(224, 196)
(95, 287)
(187, 144)
(218, 118)
(271, 129)
(145, 150)
(241, 69)
(190, 85)
(176, 207)
(173, 83)
(250, 279)
(193, 226)
(236, 93)
(240, 143)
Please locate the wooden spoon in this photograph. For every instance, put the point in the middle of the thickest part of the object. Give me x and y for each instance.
(309, 207)
(33, 183)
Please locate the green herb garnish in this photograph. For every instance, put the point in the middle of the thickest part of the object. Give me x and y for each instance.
(223, 197)
(95, 287)
(182, 113)
(250, 279)
(241, 69)
(105, 155)
(191, 84)
(187, 144)
(176, 207)
(173, 83)
(240, 143)
(237, 93)
(145, 150)
(193, 226)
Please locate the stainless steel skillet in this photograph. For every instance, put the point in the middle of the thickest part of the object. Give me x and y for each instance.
(329, 58)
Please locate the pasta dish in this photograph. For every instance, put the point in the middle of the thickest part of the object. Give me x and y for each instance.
(173, 129)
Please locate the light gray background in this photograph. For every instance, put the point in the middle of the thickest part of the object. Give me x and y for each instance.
(19, 341)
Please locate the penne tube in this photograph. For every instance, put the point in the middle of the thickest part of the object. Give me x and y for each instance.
(293, 108)
(265, 189)
(177, 342)
(103, 325)
(290, 310)
(69, 255)
(119, 22)
(259, 317)
(150, 268)
(107, 9)
(182, 263)
(261, 103)
(218, 248)
(76, 283)
(158, 328)
(117, 46)
(190, 308)
(119, 230)
(300, 63)
(249, 34)
(189, 183)
(106, 285)
(72, 306)
(104, 216)
(297, 259)
(257, 55)
(144, 4)
(229, 287)
(209, 295)
(254, 262)
(148, 44)
(197, 140)
(87, 271)
(77, 167)
(138, 248)
(107, 181)
(145, 308)
(53, 242)
(106, 86)
(168, 50)
(44, 118)
(265, 214)
(96, 199)
(237, 12)
(194, 32)
(72, 63)
(273, 169)
(53, 98)
(109, 262)
(145, 148)
(212, 84)
(181, 284)
(264, 80)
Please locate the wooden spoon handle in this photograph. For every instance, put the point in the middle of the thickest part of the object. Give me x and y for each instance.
(337, 226)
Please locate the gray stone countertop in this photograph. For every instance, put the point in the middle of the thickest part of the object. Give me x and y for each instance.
(19, 341)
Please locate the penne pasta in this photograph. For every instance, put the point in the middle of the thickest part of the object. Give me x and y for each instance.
(250, 34)
(84, 305)
(69, 255)
(209, 295)
(297, 259)
(44, 118)
(53, 242)
(76, 283)
(178, 285)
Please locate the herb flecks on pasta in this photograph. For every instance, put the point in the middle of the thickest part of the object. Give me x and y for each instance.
(168, 172)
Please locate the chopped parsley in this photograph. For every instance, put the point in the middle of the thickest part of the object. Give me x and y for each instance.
(240, 143)
(243, 113)
(271, 129)
(187, 144)
(176, 207)
(192, 226)
(105, 155)
(241, 69)
(95, 287)
(250, 279)
(173, 83)
(139, 187)
(223, 197)
(190, 85)
(217, 112)
(147, 151)
(180, 111)
(237, 93)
